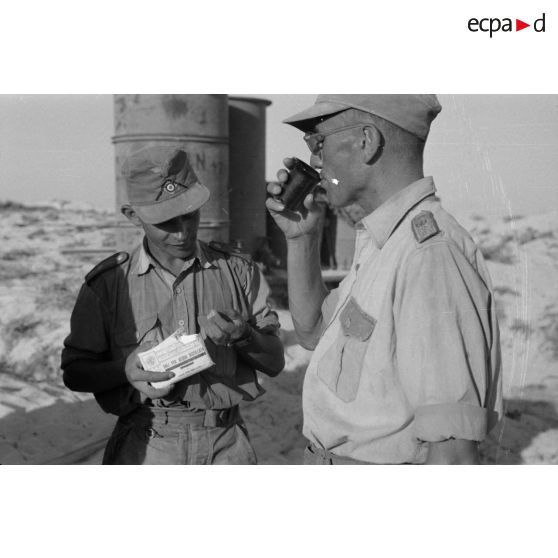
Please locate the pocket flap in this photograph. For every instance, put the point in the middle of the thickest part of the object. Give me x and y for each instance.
(355, 322)
(132, 335)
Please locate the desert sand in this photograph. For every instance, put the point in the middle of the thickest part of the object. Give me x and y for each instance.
(47, 249)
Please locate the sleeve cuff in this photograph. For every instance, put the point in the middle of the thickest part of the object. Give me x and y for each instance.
(436, 423)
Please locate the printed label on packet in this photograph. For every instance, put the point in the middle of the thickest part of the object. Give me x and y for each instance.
(183, 354)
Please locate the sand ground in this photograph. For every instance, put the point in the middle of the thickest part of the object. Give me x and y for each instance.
(45, 253)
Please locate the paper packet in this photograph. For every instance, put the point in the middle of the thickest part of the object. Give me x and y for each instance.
(183, 354)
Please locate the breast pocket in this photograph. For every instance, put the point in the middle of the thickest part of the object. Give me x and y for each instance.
(128, 337)
(341, 366)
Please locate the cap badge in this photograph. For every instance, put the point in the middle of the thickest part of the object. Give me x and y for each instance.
(170, 187)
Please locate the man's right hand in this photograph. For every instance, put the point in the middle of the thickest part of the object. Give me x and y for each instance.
(139, 377)
(294, 224)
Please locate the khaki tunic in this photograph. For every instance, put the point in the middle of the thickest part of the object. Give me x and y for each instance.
(410, 349)
(139, 301)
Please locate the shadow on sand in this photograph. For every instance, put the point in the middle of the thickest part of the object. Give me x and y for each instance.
(47, 434)
(76, 432)
(528, 432)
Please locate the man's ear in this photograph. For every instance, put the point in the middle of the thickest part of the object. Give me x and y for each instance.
(130, 214)
(372, 143)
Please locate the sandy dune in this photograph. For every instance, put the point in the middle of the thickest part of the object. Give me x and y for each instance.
(43, 260)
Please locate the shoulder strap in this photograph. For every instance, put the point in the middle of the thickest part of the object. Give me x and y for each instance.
(229, 250)
(424, 226)
(108, 263)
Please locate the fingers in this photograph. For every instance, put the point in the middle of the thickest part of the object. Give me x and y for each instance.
(274, 188)
(139, 375)
(233, 315)
(288, 162)
(224, 322)
(232, 323)
(229, 321)
(212, 331)
(282, 176)
(222, 327)
(274, 205)
(209, 325)
(310, 203)
(152, 392)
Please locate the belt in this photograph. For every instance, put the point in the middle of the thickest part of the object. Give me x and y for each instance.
(208, 418)
(332, 459)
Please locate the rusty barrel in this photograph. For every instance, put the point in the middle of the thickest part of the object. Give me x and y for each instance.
(247, 185)
(197, 123)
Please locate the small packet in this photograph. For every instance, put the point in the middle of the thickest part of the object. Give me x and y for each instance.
(183, 354)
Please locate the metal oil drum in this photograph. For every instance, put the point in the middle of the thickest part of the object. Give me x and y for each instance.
(199, 124)
(247, 185)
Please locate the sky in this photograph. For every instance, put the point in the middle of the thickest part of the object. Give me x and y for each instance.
(489, 154)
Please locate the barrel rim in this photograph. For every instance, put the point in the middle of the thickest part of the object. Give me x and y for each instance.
(257, 100)
(126, 138)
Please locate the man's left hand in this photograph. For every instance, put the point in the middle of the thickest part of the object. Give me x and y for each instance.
(224, 327)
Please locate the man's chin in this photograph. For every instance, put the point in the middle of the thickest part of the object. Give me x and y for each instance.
(180, 251)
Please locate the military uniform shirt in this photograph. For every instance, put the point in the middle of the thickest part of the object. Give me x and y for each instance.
(410, 348)
(140, 301)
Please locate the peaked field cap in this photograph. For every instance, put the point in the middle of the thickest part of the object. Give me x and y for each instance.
(413, 113)
(161, 183)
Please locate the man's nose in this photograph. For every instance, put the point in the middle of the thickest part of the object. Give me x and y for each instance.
(182, 229)
(180, 234)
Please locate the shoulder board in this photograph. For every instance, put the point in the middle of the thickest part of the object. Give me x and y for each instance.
(229, 249)
(424, 226)
(108, 263)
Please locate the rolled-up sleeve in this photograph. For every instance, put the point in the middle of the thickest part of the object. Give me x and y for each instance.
(444, 335)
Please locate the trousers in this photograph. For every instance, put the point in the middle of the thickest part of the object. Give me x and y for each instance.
(155, 436)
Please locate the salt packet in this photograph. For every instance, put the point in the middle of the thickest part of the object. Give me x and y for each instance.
(183, 354)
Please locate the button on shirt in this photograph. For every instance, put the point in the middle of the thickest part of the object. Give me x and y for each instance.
(141, 301)
(410, 349)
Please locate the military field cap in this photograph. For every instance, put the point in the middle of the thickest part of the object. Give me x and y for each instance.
(413, 113)
(162, 184)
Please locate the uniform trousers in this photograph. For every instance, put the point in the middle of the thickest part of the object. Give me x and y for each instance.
(178, 436)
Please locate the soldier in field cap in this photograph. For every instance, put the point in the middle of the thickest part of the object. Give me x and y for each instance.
(406, 362)
(171, 280)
